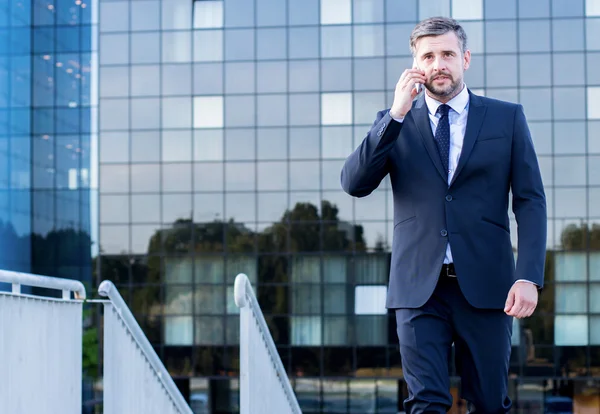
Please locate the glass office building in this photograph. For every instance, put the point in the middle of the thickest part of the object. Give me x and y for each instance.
(223, 127)
(45, 134)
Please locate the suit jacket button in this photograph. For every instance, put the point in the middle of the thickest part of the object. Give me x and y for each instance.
(444, 233)
(448, 197)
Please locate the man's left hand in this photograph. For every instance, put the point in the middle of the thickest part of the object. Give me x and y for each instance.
(522, 300)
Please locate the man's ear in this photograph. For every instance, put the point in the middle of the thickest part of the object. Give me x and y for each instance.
(467, 59)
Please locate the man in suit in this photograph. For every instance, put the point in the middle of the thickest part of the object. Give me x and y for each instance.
(453, 157)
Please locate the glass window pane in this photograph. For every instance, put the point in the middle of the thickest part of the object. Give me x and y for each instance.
(208, 79)
(500, 10)
(240, 176)
(571, 330)
(240, 207)
(569, 138)
(366, 106)
(433, 8)
(594, 170)
(303, 13)
(303, 43)
(240, 110)
(114, 147)
(569, 103)
(593, 133)
(336, 142)
(239, 44)
(535, 69)
(336, 11)
(336, 75)
(114, 17)
(145, 208)
(306, 269)
(208, 208)
(336, 41)
(306, 330)
(177, 46)
(304, 76)
(145, 15)
(304, 175)
(567, 35)
(176, 146)
(272, 176)
(304, 143)
(336, 108)
(405, 11)
(592, 8)
(304, 109)
(177, 177)
(593, 102)
(570, 202)
(208, 45)
(271, 12)
(178, 330)
(176, 79)
(114, 81)
(272, 77)
(331, 174)
(373, 330)
(176, 207)
(569, 171)
(594, 209)
(475, 75)
(368, 11)
(534, 36)
(398, 31)
(368, 40)
(501, 70)
(208, 14)
(140, 52)
(176, 112)
(209, 330)
(239, 13)
(335, 331)
(239, 77)
(114, 239)
(208, 112)
(145, 146)
(178, 270)
(145, 113)
(209, 300)
(272, 143)
(208, 145)
(571, 298)
(306, 299)
(271, 43)
(501, 37)
(369, 74)
(272, 110)
(571, 266)
(145, 80)
(595, 260)
(115, 114)
(567, 8)
(114, 209)
(370, 300)
(208, 176)
(536, 104)
(467, 10)
(176, 14)
(114, 49)
(534, 8)
(145, 178)
(240, 144)
(271, 206)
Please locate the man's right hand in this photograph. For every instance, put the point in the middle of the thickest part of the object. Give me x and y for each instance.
(406, 92)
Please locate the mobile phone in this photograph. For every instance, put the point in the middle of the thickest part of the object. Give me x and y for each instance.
(417, 85)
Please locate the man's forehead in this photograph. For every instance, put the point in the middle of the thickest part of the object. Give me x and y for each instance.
(447, 41)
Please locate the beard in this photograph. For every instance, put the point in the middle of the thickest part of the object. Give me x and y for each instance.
(449, 90)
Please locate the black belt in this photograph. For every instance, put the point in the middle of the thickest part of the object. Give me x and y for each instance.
(448, 270)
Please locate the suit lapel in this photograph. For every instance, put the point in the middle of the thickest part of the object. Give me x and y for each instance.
(474, 120)
(421, 118)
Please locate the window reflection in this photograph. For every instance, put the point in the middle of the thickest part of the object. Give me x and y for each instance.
(336, 75)
(271, 43)
(336, 108)
(208, 45)
(145, 15)
(336, 11)
(336, 41)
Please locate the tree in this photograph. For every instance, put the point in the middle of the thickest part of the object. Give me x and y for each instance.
(583, 237)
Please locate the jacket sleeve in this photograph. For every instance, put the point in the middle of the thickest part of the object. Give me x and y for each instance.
(529, 204)
(368, 164)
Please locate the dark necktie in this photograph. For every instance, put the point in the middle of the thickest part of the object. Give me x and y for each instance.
(442, 135)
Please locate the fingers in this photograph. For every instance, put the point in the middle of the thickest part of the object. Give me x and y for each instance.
(411, 76)
(522, 307)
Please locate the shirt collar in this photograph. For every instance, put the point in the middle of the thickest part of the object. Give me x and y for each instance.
(458, 103)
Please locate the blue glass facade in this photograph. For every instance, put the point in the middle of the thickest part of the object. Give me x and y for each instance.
(46, 114)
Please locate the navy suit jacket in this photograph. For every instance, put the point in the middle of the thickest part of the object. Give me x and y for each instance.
(471, 213)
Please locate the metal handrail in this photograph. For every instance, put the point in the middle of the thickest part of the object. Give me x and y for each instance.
(244, 296)
(18, 279)
(108, 289)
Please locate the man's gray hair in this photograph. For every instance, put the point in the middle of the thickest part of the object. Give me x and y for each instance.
(436, 26)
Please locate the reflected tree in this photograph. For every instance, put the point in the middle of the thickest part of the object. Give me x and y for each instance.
(582, 237)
